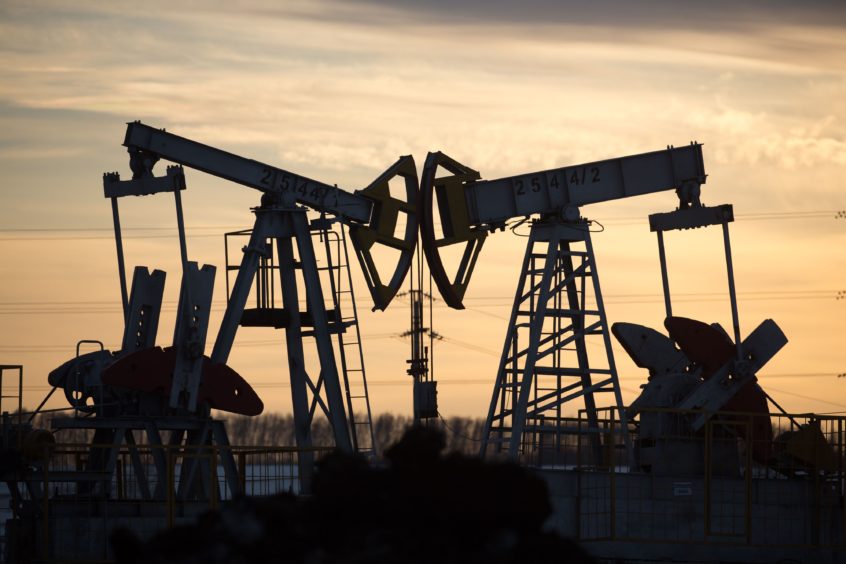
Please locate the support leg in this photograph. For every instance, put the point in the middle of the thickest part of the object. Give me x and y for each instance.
(296, 359)
(519, 417)
(241, 290)
(578, 321)
(325, 352)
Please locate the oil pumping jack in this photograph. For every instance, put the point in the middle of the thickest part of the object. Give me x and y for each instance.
(558, 309)
(154, 390)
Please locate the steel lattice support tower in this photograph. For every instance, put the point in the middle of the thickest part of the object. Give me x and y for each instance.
(557, 350)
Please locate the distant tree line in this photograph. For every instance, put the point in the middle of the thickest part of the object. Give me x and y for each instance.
(462, 434)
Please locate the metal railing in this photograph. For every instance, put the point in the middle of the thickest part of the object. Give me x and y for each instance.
(11, 426)
(744, 478)
(76, 509)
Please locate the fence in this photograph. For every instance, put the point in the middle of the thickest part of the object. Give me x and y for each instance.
(74, 510)
(744, 478)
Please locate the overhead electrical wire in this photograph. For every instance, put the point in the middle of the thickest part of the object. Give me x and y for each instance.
(623, 220)
(102, 307)
(401, 381)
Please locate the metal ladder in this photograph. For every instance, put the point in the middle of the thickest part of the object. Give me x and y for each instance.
(348, 347)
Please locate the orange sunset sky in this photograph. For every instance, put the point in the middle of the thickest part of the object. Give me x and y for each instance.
(336, 91)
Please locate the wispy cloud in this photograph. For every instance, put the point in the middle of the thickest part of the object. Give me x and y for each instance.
(559, 82)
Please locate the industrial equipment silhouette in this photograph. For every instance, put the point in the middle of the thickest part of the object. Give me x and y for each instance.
(701, 428)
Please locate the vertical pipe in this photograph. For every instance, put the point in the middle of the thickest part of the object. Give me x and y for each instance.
(556, 362)
(707, 496)
(214, 486)
(415, 376)
(840, 482)
(171, 478)
(242, 470)
(183, 247)
(124, 294)
(579, 475)
(431, 331)
(664, 279)
(20, 404)
(747, 513)
(226, 261)
(613, 482)
(45, 509)
(185, 301)
(816, 522)
(732, 293)
(272, 279)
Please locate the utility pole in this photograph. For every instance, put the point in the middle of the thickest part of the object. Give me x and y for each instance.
(425, 390)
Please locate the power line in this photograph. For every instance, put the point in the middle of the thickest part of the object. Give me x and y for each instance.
(107, 306)
(840, 405)
(109, 229)
(756, 216)
(43, 349)
(651, 294)
(405, 381)
(104, 237)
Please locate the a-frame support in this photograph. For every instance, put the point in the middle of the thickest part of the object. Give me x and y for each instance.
(288, 227)
(557, 349)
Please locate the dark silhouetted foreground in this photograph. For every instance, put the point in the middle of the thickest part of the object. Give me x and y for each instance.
(424, 507)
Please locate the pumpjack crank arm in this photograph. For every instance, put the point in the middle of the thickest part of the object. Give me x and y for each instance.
(469, 208)
(371, 214)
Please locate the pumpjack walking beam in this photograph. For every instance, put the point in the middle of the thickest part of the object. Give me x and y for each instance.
(372, 216)
(371, 213)
(470, 208)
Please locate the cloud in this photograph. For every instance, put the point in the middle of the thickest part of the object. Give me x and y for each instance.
(301, 87)
(750, 138)
(720, 14)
